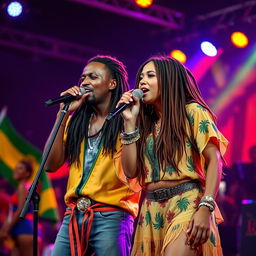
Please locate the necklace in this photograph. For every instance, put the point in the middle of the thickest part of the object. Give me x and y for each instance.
(95, 143)
(157, 127)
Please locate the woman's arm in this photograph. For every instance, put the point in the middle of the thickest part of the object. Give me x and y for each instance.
(199, 227)
(129, 154)
(129, 151)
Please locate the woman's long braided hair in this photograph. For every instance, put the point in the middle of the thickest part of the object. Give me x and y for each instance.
(177, 88)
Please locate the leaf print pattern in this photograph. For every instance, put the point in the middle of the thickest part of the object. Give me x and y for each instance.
(142, 247)
(170, 169)
(191, 119)
(175, 227)
(159, 221)
(190, 164)
(140, 220)
(212, 239)
(188, 143)
(214, 127)
(148, 218)
(155, 174)
(203, 126)
(183, 204)
(201, 107)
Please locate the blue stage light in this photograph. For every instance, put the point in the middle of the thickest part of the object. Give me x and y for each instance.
(208, 49)
(14, 9)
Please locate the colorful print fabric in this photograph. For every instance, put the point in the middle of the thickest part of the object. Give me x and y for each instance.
(204, 130)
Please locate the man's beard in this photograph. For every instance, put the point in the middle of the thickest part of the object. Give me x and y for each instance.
(91, 100)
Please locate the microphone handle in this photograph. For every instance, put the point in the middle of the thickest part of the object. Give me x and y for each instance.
(65, 98)
(116, 112)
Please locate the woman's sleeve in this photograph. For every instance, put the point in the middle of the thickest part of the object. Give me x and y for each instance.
(205, 130)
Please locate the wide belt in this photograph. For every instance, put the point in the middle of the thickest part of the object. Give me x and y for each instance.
(164, 194)
(87, 206)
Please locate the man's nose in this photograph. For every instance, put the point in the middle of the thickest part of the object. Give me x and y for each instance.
(85, 82)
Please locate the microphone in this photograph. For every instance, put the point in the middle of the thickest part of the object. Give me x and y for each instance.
(137, 93)
(66, 98)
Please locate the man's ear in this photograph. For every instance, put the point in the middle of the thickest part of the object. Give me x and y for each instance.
(112, 84)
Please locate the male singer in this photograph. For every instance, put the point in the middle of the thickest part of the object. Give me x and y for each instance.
(101, 202)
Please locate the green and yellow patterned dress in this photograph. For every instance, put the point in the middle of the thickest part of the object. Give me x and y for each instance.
(161, 223)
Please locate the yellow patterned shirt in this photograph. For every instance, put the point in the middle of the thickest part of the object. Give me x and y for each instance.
(106, 182)
(203, 131)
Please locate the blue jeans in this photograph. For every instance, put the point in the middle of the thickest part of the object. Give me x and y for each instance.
(110, 235)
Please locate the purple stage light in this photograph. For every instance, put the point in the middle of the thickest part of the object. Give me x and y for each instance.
(208, 49)
(14, 9)
(248, 201)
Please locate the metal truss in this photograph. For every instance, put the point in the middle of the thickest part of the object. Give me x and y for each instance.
(244, 12)
(43, 45)
(154, 14)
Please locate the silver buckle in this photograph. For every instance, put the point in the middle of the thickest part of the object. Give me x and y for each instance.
(83, 203)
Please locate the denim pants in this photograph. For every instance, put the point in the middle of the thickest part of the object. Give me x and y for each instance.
(110, 235)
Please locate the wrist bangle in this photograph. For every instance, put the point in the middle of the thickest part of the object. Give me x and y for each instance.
(208, 199)
(209, 206)
(129, 140)
(130, 134)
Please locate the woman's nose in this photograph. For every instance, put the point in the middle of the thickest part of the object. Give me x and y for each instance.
(142, 82)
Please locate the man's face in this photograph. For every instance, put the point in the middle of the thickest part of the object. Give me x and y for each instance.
(97, 78)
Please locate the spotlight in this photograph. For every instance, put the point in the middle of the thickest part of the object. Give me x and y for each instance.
(239, 39)
(14, 8)
(179, 55)
(144, 3)
(208, 49)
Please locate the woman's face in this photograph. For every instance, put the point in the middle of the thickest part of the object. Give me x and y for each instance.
(149, 84)
(20, 172)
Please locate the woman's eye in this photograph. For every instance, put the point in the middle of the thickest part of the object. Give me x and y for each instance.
(151, 75)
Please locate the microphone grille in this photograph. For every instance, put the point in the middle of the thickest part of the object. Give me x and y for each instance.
(138, 93)
(82, 90)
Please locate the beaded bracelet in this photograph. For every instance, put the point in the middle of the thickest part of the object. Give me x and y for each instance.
(209, 206)
(128, 141)
(132, 134)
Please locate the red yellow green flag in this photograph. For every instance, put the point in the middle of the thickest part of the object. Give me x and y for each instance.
(14, 148)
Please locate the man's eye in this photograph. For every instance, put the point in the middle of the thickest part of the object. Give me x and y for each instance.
(93, 77)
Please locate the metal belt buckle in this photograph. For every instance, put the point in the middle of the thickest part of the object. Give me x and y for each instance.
(83, 203)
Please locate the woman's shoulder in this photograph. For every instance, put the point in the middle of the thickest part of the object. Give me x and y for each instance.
(195, 107)
(196, 113)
